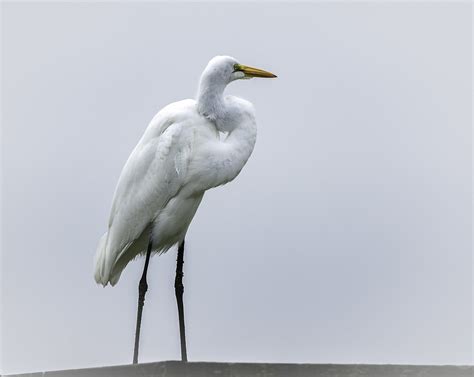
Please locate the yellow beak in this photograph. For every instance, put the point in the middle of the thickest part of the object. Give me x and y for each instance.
(253, 72)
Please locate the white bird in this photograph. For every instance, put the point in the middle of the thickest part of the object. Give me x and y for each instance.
(179, 157)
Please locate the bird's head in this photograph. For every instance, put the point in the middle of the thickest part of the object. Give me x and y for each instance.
(219, 72)
(225, 69)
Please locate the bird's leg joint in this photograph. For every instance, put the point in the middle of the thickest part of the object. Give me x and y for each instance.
(178, 282)
(142, 289)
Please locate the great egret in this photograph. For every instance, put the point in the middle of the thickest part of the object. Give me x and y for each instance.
(179, 157)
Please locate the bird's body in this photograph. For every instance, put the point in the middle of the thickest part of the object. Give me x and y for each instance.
(181, 155)
(189, 147)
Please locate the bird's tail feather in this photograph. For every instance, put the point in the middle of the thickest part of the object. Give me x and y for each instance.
(109, 265)
(100, 274)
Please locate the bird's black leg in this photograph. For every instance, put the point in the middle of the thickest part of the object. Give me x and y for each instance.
(142, 288)
(179, 290)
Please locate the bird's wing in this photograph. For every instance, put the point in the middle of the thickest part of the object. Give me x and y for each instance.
(152, 175)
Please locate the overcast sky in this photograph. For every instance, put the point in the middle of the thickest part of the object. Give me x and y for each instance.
(345, 239)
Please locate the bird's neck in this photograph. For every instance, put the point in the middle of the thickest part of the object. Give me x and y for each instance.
(226, 155)
(210, 99)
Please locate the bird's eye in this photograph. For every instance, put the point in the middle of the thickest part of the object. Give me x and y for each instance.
(236, 67)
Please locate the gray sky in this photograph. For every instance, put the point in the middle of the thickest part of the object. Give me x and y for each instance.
(346, 238)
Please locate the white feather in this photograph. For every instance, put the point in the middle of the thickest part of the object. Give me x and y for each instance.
(179, 157)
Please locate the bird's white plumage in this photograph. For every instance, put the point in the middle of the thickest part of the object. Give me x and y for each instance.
(179, 157)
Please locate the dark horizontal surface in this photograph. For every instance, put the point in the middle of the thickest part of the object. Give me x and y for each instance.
(205, 369)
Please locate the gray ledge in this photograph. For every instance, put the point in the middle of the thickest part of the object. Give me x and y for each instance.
(206, 369)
